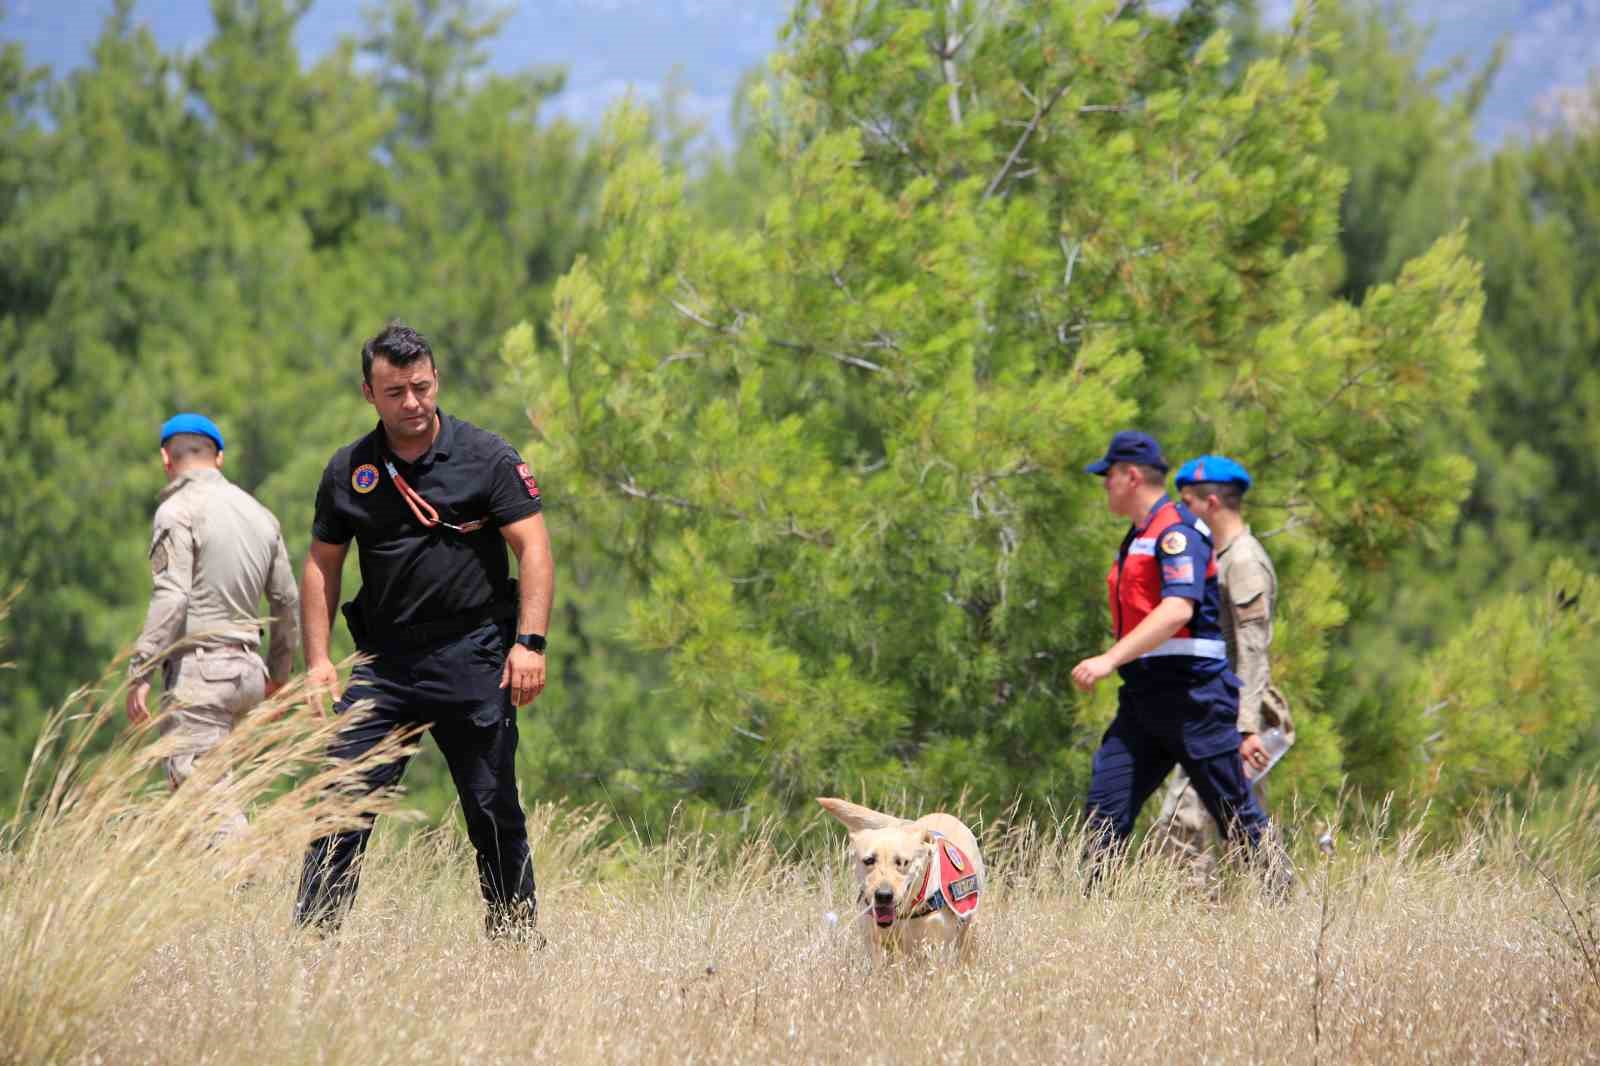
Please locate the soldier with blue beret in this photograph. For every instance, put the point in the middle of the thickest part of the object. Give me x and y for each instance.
(215, 552)
(1213, 488)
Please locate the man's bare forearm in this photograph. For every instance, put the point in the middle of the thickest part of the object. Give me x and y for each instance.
(536, 584)
(319, 597)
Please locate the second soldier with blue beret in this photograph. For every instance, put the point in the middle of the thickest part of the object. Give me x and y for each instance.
(1213, 488)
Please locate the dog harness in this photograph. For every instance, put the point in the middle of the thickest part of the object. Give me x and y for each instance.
(955, 888)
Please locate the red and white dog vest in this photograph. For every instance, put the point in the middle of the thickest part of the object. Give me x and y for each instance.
(954, 887)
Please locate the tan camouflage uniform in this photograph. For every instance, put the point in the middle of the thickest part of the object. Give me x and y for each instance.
(214, 552)
(1249, 587)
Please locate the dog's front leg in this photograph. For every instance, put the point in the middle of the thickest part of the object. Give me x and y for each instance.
(967, 942)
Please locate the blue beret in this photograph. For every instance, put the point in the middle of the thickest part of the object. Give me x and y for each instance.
(1213, 470)
(1129, 446)
(189, 422)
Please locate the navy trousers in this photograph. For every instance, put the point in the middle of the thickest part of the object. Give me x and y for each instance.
(1194, 725)
(453, 690)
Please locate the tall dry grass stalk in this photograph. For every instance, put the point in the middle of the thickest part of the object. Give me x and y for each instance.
(124, 940)
(102, 865)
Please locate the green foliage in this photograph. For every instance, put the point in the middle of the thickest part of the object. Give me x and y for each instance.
(1512, 690)
(220, 231)
(1415, 175)
(842, 446)
(811, 415)
(1403, 132)
(1540, 217)
(483, 203)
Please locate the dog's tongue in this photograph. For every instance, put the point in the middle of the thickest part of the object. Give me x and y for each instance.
(883, 914)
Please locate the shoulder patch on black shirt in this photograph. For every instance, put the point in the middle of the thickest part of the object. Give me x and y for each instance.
(527, 480)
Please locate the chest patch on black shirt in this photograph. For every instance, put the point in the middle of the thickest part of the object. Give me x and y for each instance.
(364, 478)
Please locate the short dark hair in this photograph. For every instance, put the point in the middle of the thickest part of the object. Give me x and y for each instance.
(1230, 493)
(399, 344)
(1150, 475)
(184, 445)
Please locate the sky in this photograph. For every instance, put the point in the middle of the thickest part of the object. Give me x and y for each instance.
(608, 47)
(612, 46)
(1552, 48)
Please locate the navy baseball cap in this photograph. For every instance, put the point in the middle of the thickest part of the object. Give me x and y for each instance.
(188, 422)
(1213, 470)
(1130, 446)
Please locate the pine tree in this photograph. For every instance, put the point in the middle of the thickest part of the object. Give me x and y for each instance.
(1527, 434)
(1510, 695)
(842, 448)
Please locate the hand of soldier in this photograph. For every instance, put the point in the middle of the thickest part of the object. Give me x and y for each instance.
(138, 702)
(322, 686)
(523, 674)
(1253, 753)
(1092, 671)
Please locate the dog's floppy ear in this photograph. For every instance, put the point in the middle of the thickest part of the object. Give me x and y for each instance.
(856, 817)
(927, 835)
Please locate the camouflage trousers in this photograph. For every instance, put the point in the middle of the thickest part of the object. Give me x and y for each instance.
(1185, 830)
(208, 691)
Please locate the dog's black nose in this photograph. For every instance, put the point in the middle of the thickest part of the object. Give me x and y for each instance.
(883, 896)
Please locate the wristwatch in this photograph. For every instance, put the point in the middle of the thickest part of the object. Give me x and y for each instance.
(532, 641)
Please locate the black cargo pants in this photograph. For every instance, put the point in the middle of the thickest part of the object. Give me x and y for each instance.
(452, 689)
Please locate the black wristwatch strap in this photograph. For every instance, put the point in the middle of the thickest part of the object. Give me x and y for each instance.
(532, 641)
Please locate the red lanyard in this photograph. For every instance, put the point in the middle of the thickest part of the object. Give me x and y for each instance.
(422, 508)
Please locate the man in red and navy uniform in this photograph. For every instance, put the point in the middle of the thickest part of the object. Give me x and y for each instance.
(1179, 702)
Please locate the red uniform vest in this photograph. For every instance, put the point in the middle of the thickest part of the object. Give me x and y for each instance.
(1134, 583)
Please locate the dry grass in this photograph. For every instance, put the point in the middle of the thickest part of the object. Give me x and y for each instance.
(124, 941)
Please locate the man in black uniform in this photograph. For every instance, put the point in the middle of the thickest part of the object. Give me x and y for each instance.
(431, 502)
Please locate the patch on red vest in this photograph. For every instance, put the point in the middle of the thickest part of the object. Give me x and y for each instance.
(958, 878)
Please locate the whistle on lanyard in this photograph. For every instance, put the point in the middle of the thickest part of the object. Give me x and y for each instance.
(425, 512)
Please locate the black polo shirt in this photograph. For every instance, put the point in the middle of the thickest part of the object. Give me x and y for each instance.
(410, 573)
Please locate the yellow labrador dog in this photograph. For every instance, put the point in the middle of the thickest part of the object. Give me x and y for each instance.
(920, 881)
